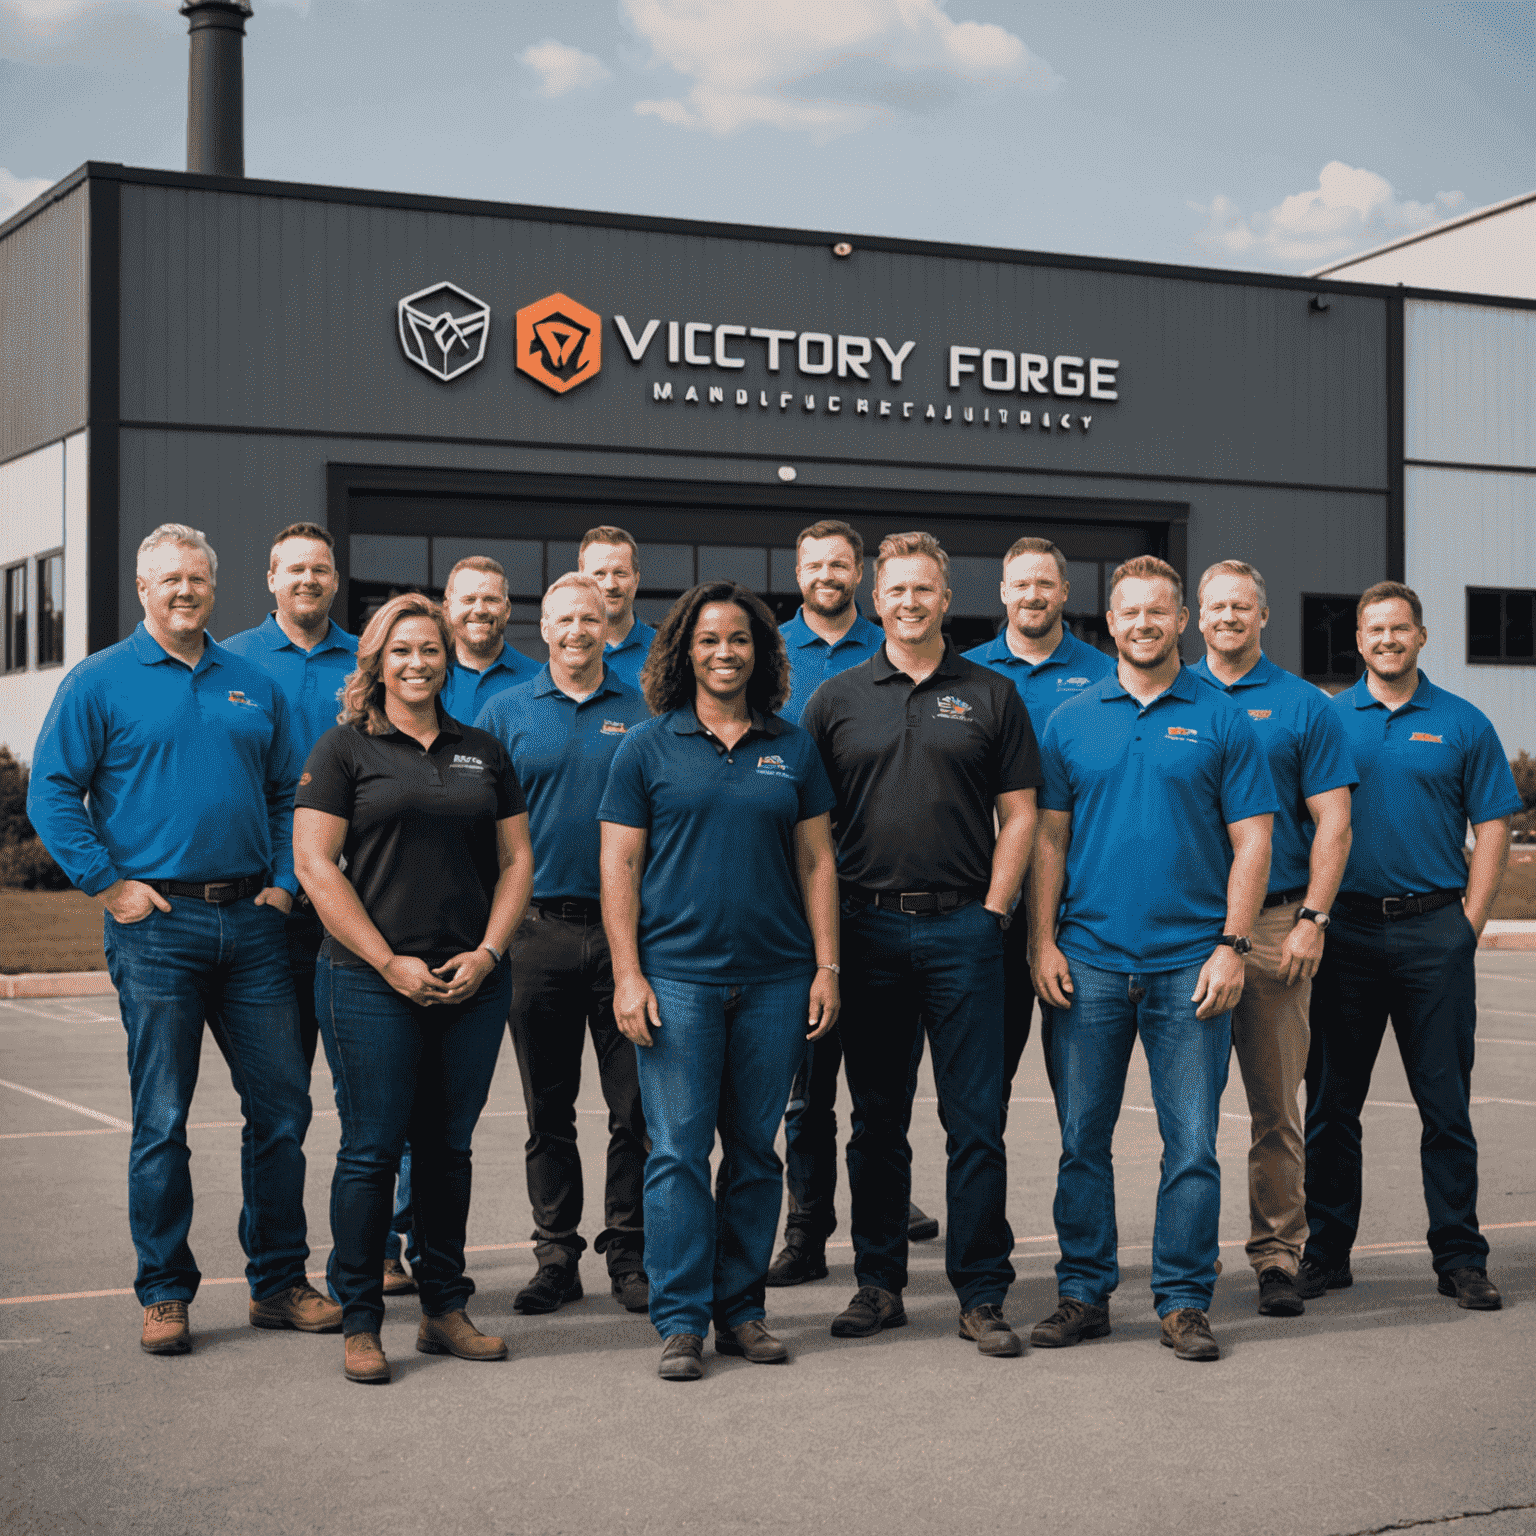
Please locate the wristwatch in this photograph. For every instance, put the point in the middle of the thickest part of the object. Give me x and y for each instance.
(1242, 946)
(1313, 916)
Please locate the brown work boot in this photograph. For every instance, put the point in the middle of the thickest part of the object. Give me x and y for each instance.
(454, 1334)
(364, 1360)
(165, 1329)
(397, 1279)
(1187, 1333)
(302, 1307)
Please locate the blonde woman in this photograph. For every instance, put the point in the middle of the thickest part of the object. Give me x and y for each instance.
(411, 986)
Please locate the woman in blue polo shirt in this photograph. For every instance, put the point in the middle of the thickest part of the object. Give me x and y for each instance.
(410, 987)
(720, 902)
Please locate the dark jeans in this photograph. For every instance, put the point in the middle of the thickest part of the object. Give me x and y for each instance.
(305, 936)
(403, 1071)
(174, 970)
(1420, 973)
(1019, 1006)
(903, 973)
(563, 985)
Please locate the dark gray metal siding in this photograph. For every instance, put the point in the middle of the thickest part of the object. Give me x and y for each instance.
(44, 326)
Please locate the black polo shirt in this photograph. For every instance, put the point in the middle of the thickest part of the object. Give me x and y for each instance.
(421, 828)
(916, 769)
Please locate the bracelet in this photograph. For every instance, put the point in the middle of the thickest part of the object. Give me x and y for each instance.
(836, 970)
(495, 953)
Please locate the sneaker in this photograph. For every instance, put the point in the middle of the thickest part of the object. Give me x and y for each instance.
(750, 1341)
(870, 1310)
(1071, 1322)
(301, 1307)
(989, 1328)
(397, 1279)
(682, 1358)
(166, 1330)
(632, 1291)
(1187, 1333)
(800, 1259)
(1472, 1289)
(1278, 1296)
(454, 1334)
(550, 1289)
(1314, 1279)
(921, 1227)
(363, 1359)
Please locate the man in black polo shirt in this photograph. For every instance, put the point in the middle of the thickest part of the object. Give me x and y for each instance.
(921, 747)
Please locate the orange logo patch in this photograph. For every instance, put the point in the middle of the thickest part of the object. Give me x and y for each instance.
(559, 342)
(305, 778)
(1425, 736)
(1260, 714)
(1182, 730)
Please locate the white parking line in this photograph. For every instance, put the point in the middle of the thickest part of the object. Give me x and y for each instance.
(79, 1109)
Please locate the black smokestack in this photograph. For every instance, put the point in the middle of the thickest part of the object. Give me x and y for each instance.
(216, 86)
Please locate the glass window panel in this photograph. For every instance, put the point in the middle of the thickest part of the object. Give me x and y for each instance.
(974, 581)
(1519, 629)
(781, 571)
(1328, 637)
(734, 562)
(50, 610)
(1483, 625)
(400, 559)
(521, 559)
(1083, 577)
(560, 558)
(15, 618)
(652, 610)
(666, 567)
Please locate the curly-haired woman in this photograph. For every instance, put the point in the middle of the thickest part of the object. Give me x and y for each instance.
(411, 987)
(720, 903)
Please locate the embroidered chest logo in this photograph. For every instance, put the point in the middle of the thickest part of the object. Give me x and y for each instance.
(613, 727)
(774, 766)
(1425, 736)
(1070, 682)
(1182, 733)
(472, 764)
(237, 697)
(1260, 714)
(953, 708)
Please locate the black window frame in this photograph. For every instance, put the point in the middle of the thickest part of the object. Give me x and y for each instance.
(1349, 602)
(1503, 594)
(16, 648)
(55, 609)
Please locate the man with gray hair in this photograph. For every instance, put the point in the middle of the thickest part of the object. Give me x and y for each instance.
(163, 785)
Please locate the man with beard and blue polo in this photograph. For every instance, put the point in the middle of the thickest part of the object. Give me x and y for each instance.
(1403, 947)
(1049, 666)
(561, 731)
(612, 559)
(1314, 774)
(478, 610)
(1150, 871)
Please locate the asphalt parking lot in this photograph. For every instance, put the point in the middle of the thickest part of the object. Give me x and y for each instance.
(1384, 1407)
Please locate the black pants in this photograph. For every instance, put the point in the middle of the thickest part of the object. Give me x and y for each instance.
(305, 936)
(1419, 972)
(1019, 1006)
(562, 984)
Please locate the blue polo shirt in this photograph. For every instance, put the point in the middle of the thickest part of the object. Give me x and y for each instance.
(466, 691)
(812, 661)
(148, 769)
(626, 658)
(562, 751)
(1045, 686)
(1426, 770)
(720, 900)
(1152, 791)
(311, 680)
(1307, 753)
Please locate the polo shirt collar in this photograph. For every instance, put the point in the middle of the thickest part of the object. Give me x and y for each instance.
(151, 653)
(638, 631)
(998, 649)
(884, 669)
(334, 639)
(500, 663)
(798, 632)
(686, 722)
(1183, 687)
(1362, 697)
(544, 685)
(1261, 672)
(446, 725)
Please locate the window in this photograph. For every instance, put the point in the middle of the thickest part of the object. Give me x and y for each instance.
(1501, 626)
(1328, 653)
(50, 609)
(16, 617)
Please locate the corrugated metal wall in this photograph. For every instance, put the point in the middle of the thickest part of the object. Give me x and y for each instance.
(1470, 383)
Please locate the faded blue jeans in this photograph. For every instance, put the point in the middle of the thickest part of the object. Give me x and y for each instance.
(229, 966)
(1187, 1058)
(726, 1056)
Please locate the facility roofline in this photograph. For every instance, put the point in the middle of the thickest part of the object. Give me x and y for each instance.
(1434, 230)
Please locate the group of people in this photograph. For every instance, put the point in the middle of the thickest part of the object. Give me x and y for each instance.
(747, 858)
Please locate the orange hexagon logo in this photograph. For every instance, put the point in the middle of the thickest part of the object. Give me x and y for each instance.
(559, 342)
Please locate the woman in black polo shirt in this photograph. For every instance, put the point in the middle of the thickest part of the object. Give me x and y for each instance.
(720, 903)
(411, 987)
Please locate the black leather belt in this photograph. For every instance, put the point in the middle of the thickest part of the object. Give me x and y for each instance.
(573, 910)
(1283, 898)
(219, 893)
(1389, 908)
(912, 902)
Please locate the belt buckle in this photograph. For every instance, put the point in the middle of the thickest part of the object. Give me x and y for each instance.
(901, 902)
(1391, 905)
(218, 886)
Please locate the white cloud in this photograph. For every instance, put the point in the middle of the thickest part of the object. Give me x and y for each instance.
(17, 191)
(821, 68)
(561, 68)
(42, 17)
(1347, 210)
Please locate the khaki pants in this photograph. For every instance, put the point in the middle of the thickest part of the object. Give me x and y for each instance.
(1270, 1036)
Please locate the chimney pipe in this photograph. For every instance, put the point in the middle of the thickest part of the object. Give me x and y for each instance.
(216, 86)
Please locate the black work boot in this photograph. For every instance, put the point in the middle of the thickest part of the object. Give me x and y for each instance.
(550, 1289)
(803, 1257)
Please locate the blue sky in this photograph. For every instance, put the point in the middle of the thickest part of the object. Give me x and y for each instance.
(1268, 136)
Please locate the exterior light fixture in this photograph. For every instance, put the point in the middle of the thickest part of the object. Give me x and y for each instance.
(1318, 304)
(843, 248)
(786, 473)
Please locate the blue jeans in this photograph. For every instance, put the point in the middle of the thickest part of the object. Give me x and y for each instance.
(403, 1071)
(229, 966)
(1187, 1058)
(901, 973)
(724, 1055)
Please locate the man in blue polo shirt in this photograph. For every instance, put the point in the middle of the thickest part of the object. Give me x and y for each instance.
(561, 731)
(1150, 870)
(163, 784)
(612, 559)
(308, 656)
(1049, 665)
(1403, 945)
(1314, 772)
(827, 636)
(477, 608)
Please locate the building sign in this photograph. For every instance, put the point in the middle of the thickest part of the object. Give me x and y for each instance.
(443, 329)
(559, 342)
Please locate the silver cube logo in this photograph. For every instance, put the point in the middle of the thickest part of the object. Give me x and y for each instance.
(444, 330)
